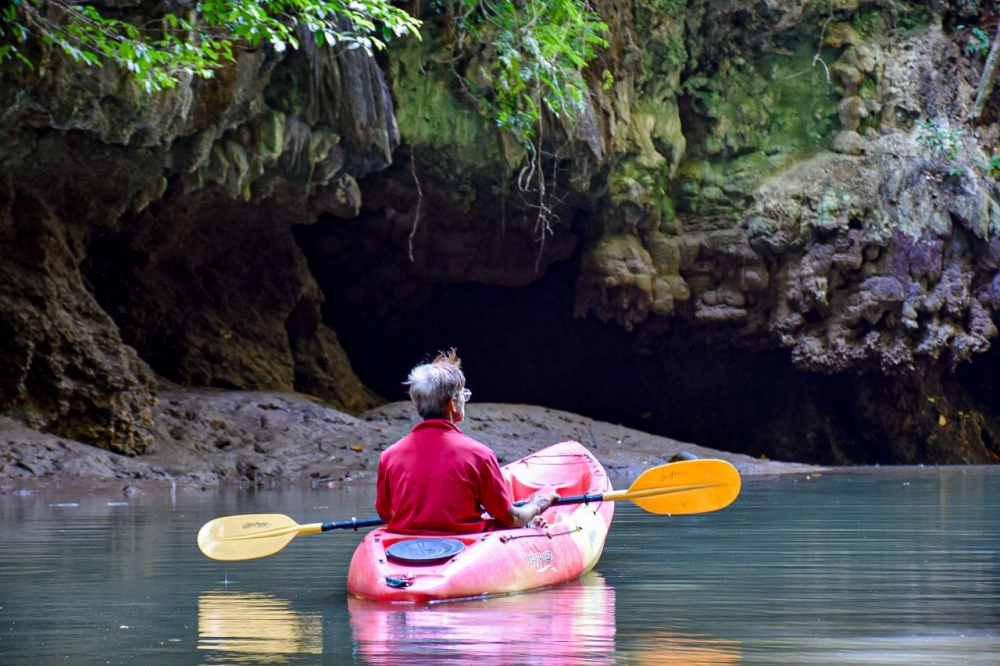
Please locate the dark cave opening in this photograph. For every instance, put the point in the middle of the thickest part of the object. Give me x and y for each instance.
(524, 345)
(518, 345)
(982, 378)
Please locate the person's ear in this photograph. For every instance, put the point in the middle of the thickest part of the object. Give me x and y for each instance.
(457, 414)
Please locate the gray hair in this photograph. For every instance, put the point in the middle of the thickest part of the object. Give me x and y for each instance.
(433, 384)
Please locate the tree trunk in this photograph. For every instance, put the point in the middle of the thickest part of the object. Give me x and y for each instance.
(988, 78)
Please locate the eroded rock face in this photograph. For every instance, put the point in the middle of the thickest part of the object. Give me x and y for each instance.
(755, 177)
(174, 211)
(885, 260)
(63, 366)
(757, 172)
(874, 254)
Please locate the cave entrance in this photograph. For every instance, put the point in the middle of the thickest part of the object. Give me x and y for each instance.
(524, 345)
(518, 345)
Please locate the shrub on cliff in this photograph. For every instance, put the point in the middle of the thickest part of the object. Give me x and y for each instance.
(531, 51)
(184, 38)
(528, 57)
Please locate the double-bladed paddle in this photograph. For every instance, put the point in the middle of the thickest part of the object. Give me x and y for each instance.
(689, 486)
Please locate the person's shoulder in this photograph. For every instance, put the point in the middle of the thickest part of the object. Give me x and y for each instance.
(474, 445)
(397, 447)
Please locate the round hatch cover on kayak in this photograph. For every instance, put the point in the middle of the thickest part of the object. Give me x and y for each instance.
(424, 551)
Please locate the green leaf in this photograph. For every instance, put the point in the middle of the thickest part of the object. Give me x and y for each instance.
(540, 46)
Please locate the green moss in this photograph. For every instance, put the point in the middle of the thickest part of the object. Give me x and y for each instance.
(664, 52)
(663, 205)
(723, 186)
(429, 112)
(719, 186)
(759, 114)
(867, 89)
(271, 136)
(776, 104)
(868, 23)
(638, 197)
(688, 181)
(668, 220)
(285, 90)
(910, 16)
(756, 162)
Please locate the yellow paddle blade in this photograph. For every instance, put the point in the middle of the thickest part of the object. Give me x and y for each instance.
(250, 536)
(689, 486)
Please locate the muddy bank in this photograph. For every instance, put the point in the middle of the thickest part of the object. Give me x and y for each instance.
(206, 438)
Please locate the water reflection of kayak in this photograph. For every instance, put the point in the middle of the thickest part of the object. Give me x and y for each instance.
(568, 624)
(398, 567)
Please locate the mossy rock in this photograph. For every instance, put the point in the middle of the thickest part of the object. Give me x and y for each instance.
(776, 104)
(637, 197)
(430, 113)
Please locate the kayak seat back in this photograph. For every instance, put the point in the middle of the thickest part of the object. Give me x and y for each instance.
(523, 486)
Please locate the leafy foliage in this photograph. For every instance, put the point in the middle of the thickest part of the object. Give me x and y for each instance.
(529, 54)
(868, 23)
(532, 59)
(992, 167)
(198, 41)
(525, 57)
(942, 141)
(978, 42)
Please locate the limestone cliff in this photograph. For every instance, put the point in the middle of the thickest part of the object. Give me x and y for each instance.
(771, 174)
(159, 228)
(766, 175)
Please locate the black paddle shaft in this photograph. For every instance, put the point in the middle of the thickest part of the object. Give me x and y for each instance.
(352, 524)
(575, 499)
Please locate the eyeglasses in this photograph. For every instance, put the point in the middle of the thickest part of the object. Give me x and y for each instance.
(465, 393)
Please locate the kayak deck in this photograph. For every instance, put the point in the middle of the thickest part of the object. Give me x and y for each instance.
(502, 561)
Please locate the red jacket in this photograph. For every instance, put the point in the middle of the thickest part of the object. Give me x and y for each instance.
(437, 480)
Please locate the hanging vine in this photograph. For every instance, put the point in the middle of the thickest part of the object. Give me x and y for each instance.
(524, 61)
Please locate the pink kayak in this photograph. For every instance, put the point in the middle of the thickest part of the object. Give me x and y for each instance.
(410, 568)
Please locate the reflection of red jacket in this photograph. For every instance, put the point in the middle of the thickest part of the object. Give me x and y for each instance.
(438, 481)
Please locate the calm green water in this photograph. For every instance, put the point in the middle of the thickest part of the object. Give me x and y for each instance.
(897, 566)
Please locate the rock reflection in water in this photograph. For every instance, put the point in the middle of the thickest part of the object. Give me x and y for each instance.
(256, 629)
(569, 624)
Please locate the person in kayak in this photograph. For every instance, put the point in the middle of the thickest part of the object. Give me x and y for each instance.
(437, 480)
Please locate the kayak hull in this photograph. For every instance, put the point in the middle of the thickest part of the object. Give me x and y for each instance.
(502, 561)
